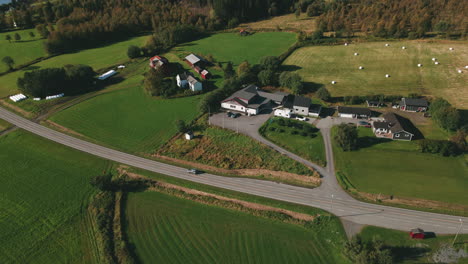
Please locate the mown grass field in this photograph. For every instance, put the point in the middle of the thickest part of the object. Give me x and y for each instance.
(231, 47)
(23, 51)
(228, 150)
(167, 229)
(285, 22)
(127, 118)
(309, 146)
(44, 191)
(412, 251)
(398, 168)
(323, 64)
(97, 58)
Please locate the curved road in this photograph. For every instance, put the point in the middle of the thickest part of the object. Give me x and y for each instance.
(343, 206)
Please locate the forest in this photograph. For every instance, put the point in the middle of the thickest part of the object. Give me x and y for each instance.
(86, 23)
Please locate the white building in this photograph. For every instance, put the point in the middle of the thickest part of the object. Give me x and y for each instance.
(194, 84)
(283, 112)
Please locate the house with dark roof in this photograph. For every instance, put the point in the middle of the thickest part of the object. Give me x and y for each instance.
(301, 105)
(158, 62)
(374, 103)
(182, 79)
(247, 100)
(354, 112)
(394, 127)
(413, 105)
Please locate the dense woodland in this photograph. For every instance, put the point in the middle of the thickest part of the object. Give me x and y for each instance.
(85, 23)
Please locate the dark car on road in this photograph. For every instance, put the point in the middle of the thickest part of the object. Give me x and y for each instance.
(364, 124)
(235, 115)
(229, 114)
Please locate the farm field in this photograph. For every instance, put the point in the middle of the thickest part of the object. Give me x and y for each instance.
(323, 64)
(44, 189)
(309, 146)
(228, 150)
(285, 22)
(23, 51)
(127, 118)
(97, 58)
(231, 47)
(398, 168)
(410, 251)
(167, 229)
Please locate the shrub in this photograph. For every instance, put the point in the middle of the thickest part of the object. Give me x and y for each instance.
(133, 52)
(323, 93)
(299, 125)
(312, 135)
(304, 134)
(280, 122)
(346, 137)
(272, 129)
(281, 130)
(443, 147)
(294, 132)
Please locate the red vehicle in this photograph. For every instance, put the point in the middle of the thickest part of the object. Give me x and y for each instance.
(417, 233)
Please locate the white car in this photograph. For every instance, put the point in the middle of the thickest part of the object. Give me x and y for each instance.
(301, 118)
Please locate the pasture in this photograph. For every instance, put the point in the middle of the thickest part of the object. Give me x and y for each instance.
(285, 22)
(97, 58)
(127, 118)
(308, 145)
(167, 229)
(320, 65)
(232, 47)
(44, 191)
(412, 251)
(398, 168)
(23, 51)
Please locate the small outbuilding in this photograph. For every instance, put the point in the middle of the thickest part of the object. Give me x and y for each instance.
(205, 74)
(107, 75)
(194, 84)
(189, 135)
(354, 112)
(417, 233)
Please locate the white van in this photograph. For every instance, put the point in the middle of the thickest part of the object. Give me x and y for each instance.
(284, 113)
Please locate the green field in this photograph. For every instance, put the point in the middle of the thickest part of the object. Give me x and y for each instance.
(308, 147)
(323, 64)
(23, 51)
(97, 58)
(127, 118)
(167, 229)
(231, 47)
(412, 251)
(44, 188)
(398, 168)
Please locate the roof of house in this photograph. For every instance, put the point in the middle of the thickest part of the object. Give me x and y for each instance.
(397, 123)
(251, 94)
(315, 108)
(272, 96)
(183, 76)
(301, 101)
(191, 79)
(205, 72)
(380, 124)
(192, 58)
(414, 102)
(354, 110)
(373, 102)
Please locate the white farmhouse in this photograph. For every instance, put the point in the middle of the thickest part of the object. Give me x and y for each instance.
(182, 80)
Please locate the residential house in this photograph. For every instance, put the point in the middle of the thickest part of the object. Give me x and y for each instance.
(394, 127)
(194, 84)
(354, 112)
(413, 105)
(246, 100)
(374, 103)
(205, 74)
(301, 105)
(315, 110)
(182, 79)
(277, 97)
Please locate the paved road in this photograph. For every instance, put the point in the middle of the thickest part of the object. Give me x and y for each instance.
(348, 209)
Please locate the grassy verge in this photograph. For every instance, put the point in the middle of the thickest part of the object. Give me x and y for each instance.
(395, 173)
(158, 224)
(299, 137)
(45, 188)
(413, 251)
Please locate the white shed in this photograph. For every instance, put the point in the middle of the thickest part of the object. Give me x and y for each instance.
(188, 135)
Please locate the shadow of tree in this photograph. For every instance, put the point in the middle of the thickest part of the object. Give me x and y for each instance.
(31, 68)
(311, 87)
(290, 68)
(327, 111)
(366, 142)
(403, 253)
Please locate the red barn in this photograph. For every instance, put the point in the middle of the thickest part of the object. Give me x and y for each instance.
(158, 61)
(417, 233)
(205, 74)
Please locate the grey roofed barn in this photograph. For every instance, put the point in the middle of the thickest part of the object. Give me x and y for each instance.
(413, 102)
(193, 59)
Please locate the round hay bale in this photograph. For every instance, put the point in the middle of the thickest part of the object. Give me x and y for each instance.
(436, 63)
(466, 67)
(346, 44)
(355, 53)
(386, 45)
(403, 47)
(333, 82)
(434, 59)
(360, 67)
(460, 71)
(450, 48)
(387, 75)
(419, 65)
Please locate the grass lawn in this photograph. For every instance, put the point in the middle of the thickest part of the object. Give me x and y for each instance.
(309, 146)
(398, 168)
(97, 58)
(44, 188)
(412, 251)
(228, 150)
(323, 64)
(127, 118)
(23, 51)
(167, 229)
(231, 47)
(4, 124)
(285, 22)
